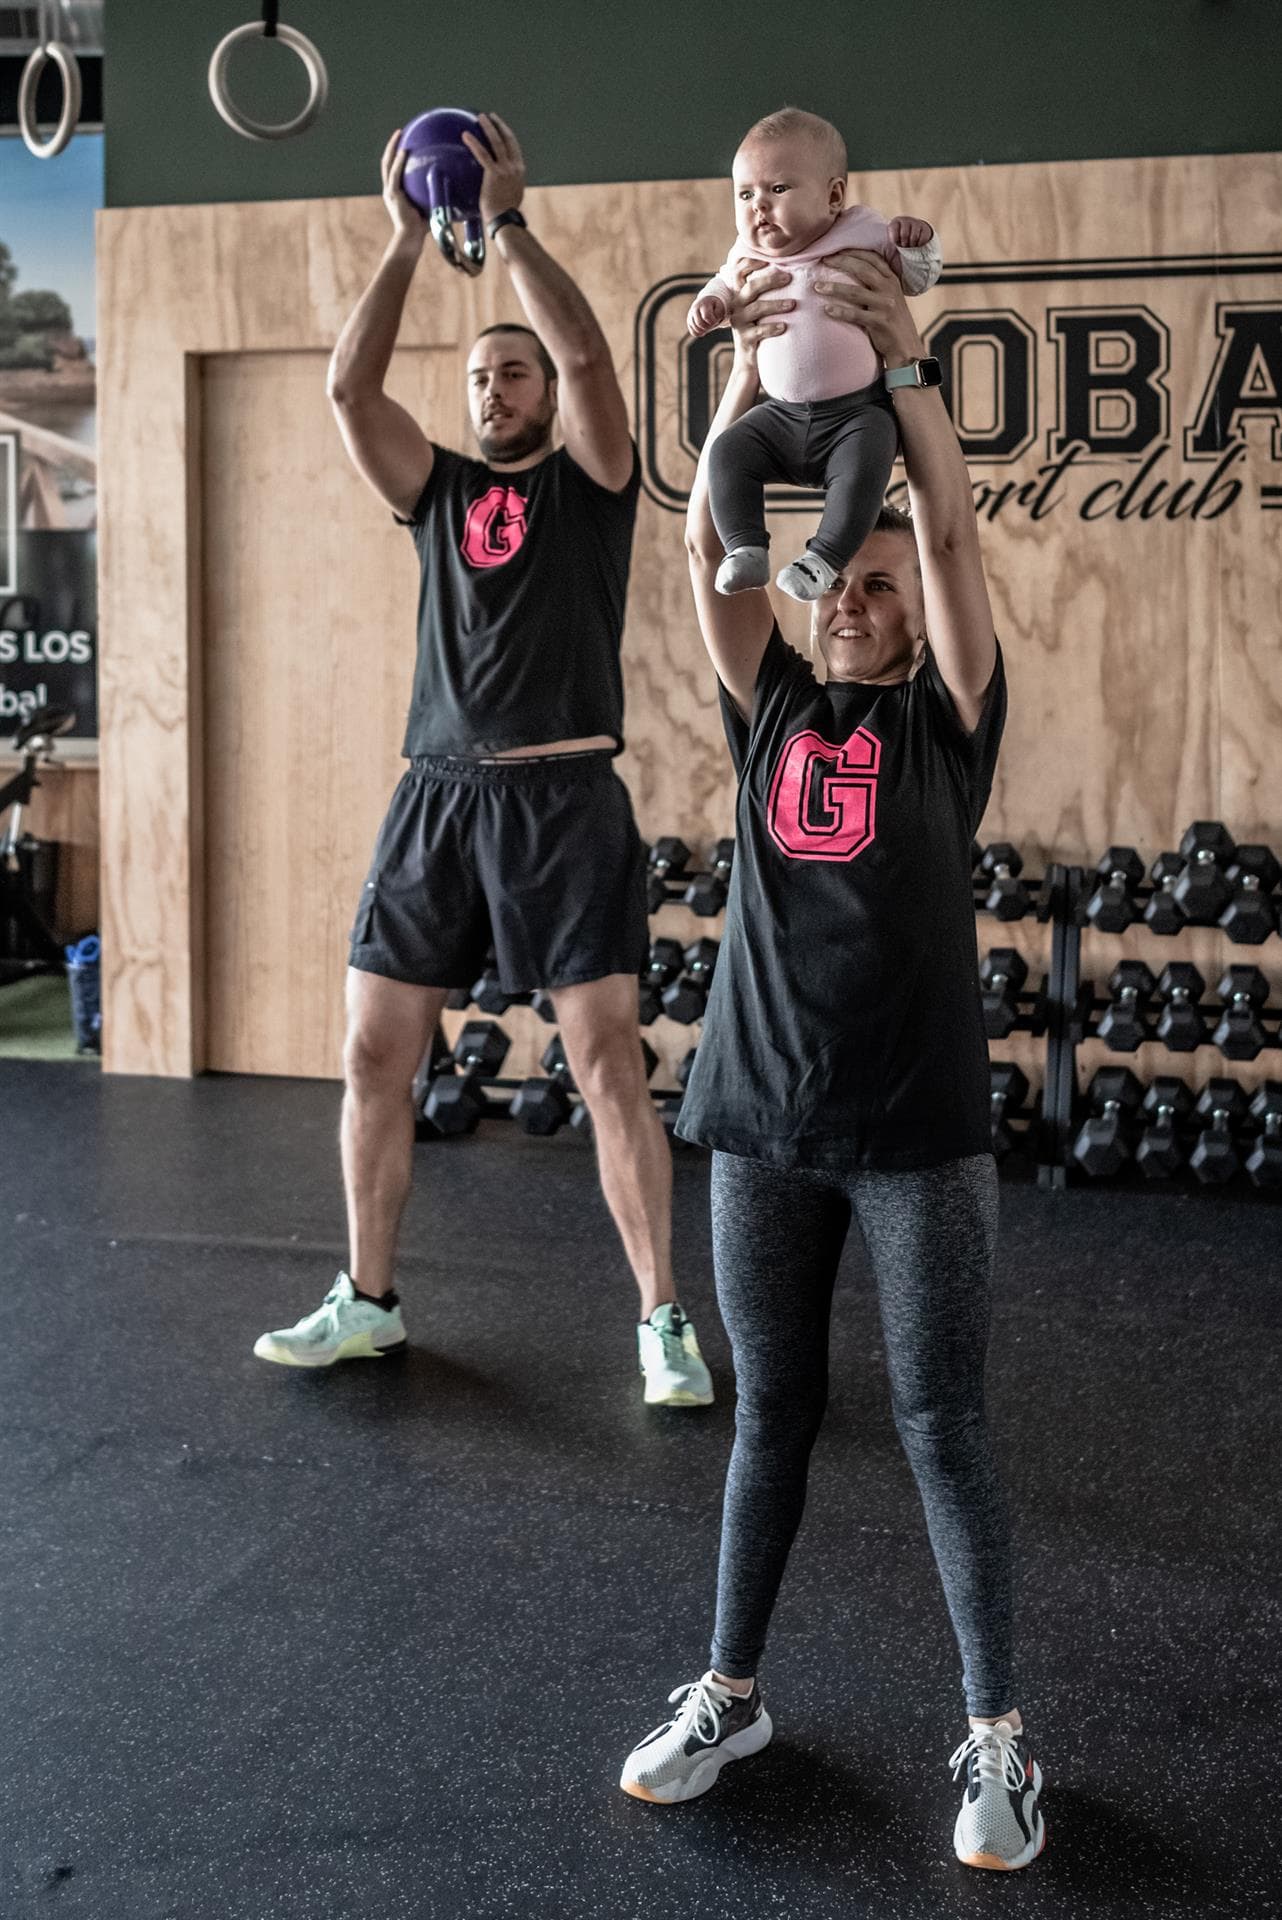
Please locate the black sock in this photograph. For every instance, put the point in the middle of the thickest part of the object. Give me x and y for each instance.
(385, 1300)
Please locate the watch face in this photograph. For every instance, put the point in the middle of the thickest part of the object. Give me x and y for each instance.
(929, 371)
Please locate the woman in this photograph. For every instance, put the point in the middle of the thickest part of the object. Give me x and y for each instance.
(843, 1067)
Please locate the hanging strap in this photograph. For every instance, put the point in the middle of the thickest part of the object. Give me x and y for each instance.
(271, 18)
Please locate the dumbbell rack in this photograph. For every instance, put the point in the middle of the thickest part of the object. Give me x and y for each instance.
(1080, 1007)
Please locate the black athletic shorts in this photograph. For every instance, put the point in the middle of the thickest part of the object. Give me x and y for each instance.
(539, 859)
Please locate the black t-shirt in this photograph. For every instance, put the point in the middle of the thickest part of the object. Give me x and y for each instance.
(520, 611)
(844, 1027)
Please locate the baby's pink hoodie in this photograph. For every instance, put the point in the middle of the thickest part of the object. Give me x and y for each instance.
(817, 357)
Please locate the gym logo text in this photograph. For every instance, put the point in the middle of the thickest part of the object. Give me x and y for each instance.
(495, 527)
(823, 797)
(1182, 407)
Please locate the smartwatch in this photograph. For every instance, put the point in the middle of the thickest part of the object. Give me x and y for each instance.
(512, 218)
(918, 373)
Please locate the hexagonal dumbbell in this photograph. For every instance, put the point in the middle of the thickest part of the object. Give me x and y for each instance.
(1252, 914)
(1202, 890)
(491, 997)
(708, 892)
(686, 999)
(544, 1005)
(668, 860)
(456, 1101)
(1007, 896)
(660, 970)
(1001, 978)
(1007, 1092)
(685, 1067)
(1124, 1023)
(1162, 913)
(1240, 1033)
(1220, 1107)
(1264, 1162)
(1103, 1145)
(543, 1106)
(1113, 906)
(1167, 1106)
(1180, 1027)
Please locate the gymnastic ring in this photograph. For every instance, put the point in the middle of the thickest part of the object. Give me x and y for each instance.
(317, 76)
(69, 67)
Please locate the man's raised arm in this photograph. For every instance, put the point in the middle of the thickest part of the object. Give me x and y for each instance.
(386, 444)
(594, 420)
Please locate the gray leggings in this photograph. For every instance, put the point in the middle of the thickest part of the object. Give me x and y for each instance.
(778, 1235)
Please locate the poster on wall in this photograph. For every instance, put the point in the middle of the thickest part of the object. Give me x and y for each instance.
(48, 440)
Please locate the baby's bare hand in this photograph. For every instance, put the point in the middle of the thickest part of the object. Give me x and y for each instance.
(706, 315)
(907, 232)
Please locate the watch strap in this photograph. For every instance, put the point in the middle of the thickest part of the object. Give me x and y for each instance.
(911, 375)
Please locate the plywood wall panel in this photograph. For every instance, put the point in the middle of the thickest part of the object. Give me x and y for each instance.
(1145, 671)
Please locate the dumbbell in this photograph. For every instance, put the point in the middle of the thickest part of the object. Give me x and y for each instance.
(1202, 890)
(1007, 1091)
(660, 970)
(1180, 1027)
(1167, 1104)
(1001, 978)
(544, 1005)
(1113, 905)
(458, 999)
(1124, 1023)
(490, 997)
(708, 892)
(686, 998)
(1103, 1145)
(668, 860)
(1162, 914)
(543, 1106)
(456, 1101)
(1240, 1033)
(1220, 1107)
(1252, 914)
(685, 1067)
(1264, 1163)
(1007, 896)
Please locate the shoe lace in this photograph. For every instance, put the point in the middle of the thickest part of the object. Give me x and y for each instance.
(702, 1704)
(994, 1748)
(672, 1342)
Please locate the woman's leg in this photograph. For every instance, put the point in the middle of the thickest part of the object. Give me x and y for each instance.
(931, 1237)
(777, 1236)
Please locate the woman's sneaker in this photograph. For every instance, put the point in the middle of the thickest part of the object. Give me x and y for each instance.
(682, 1758)
(671, 1362)
(342, 1328)
(1000, 1824)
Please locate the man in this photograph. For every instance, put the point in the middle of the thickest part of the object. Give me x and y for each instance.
(511, 827)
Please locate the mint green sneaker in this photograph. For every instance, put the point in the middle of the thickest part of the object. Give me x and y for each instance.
(342, 1328)
(675, 1375)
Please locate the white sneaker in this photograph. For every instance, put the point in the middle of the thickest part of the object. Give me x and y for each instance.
(671, 1362)
(342, 1328)
(682, 1758)
(1000, 1825)
(808, 578)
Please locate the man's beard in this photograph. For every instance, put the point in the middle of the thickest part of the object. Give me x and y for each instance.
(518, 447)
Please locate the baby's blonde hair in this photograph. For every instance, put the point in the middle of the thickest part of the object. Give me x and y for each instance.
(794, 123)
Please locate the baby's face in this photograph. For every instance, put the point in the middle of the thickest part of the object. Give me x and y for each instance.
(783, 197)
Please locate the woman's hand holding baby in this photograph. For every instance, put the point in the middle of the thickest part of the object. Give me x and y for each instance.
(865, 291)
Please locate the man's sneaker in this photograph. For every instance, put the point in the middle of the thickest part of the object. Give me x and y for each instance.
(808, 578)
(342, 1328)
(675, 1375)
(1000, 1824)
(682, 1758)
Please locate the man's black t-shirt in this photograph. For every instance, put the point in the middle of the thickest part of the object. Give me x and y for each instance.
(844, 1026)
(520, 611)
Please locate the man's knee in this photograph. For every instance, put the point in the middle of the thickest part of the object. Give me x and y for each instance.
(608, 1066)
(375, 1061)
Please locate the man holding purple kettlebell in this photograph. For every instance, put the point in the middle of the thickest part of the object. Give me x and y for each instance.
(510, 827)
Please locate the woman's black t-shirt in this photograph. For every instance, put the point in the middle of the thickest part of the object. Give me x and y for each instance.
(844, 1027)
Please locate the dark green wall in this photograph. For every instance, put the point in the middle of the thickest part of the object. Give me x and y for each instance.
(663, 90)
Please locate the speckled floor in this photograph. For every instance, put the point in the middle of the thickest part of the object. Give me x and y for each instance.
(375, 1642)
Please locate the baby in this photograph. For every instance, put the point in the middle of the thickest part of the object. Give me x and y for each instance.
(828, 420)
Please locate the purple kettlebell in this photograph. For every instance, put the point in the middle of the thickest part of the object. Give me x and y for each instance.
(444, 182)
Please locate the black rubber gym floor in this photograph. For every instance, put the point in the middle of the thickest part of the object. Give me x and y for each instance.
(376, 1641)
